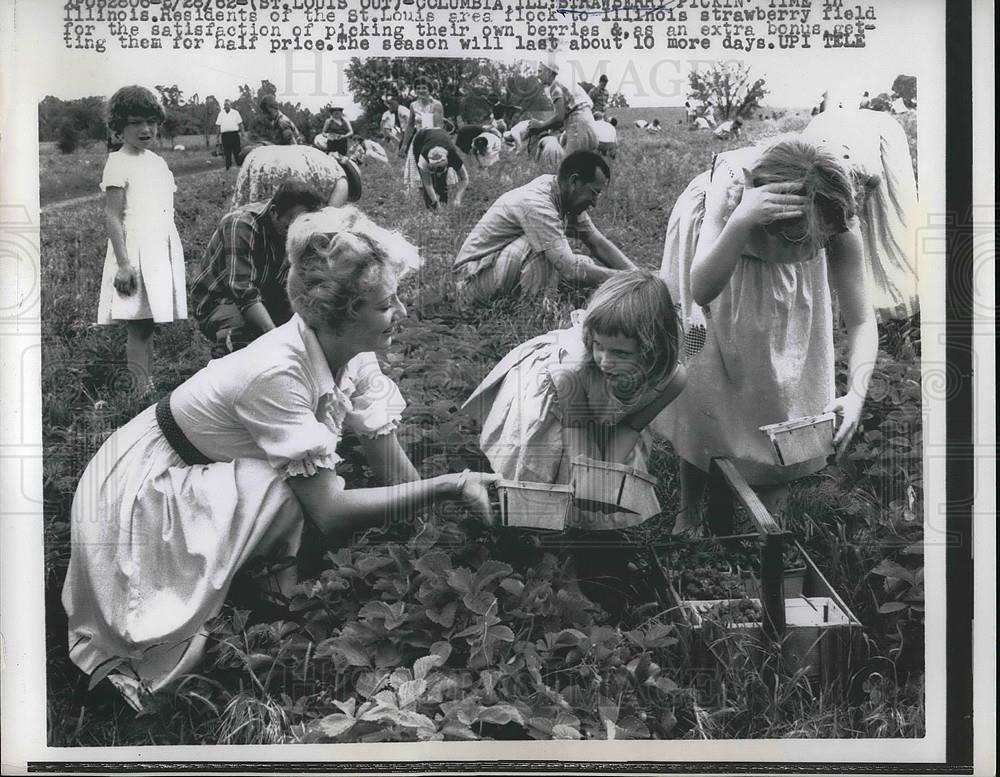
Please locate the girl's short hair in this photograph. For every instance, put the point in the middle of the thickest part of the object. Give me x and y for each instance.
(825, 181)
(423, 81)
(636, 304)
(133, 101)
(337, 255)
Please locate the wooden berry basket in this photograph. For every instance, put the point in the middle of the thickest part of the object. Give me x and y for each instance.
(534, 505)
(801, 439)
(604, 487)
(821, 635)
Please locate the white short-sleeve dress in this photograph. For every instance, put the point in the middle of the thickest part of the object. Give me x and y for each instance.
(156, 542)
(760, 353)
(151, 241)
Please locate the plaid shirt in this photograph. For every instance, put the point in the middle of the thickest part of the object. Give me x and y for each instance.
(244, 264)
(284, 131)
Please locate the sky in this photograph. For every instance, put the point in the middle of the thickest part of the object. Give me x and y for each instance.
(795, 78)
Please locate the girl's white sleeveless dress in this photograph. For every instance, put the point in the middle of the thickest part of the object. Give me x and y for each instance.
(151, 241)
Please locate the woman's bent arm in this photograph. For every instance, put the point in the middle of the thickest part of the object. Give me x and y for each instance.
(338, 510)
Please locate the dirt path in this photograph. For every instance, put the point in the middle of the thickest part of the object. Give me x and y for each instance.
(70, 202)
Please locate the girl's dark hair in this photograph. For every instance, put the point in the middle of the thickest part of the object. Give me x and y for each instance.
(636, 304)
(133, 101)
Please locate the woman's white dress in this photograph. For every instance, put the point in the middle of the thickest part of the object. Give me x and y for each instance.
(151, 241)
(874, 145)
(156, 543)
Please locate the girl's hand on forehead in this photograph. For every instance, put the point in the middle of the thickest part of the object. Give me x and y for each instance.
(770, 202)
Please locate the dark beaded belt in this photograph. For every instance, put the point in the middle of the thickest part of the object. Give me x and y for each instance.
(177, 439)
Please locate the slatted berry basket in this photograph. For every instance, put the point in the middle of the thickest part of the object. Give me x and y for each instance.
(534, 505)
(816, 628)
(801, 439)
(626, 495)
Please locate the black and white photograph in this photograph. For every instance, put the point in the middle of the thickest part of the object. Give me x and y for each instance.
(388, 382)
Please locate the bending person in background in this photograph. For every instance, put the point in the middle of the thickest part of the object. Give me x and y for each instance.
(521, 244)
(433, 165)
(573, 111)
(239, 293)
(228, 466)
(267, 167)
(755, 250)
(607, 136)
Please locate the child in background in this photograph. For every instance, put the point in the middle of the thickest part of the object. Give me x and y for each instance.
(588, 390)
(143, 280)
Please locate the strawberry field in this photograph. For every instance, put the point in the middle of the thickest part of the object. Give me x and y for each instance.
(440, 629)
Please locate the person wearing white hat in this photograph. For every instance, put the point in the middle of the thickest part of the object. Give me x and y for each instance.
(432, 165)
(573, 110)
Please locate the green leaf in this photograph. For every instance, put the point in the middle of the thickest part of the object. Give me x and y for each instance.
(502, 633)
(424, 665)
(387, 655)
(890, 607)
(631, 728)
(458, 731)
(409, 692)
(336, 724)
(488, 572)
(512, 586)
(347, 707)
(434, 564)
(444, 616)
(500, 714)
(370, 683)
(355, 653)
(562, 731)
(887, 568)
(393, 615)
(372, 563)
(480, 603)
(461, 580)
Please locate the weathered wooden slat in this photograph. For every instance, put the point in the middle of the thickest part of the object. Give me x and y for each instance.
(748, 498)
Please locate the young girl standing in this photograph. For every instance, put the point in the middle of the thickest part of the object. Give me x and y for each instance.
(589, 390)
(143, 281)
(756, 249)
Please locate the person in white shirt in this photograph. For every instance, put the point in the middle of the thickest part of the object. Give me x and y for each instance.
(366, 149)
(607, 136)
(728, 129)
(229, 125)
(517, 136)
(486, 148)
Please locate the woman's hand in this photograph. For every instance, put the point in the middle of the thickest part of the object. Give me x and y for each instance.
(770, 202)
(125, 280)
(471, 490)
(848, 409)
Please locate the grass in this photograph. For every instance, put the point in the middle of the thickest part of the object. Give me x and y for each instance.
(444, 352)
